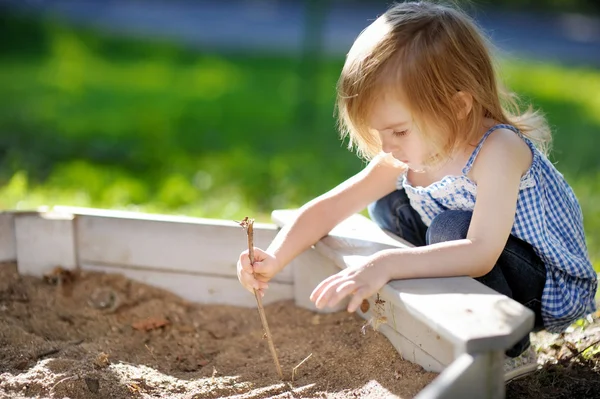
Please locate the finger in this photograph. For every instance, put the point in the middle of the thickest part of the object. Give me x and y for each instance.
(243, 277)
(262, 285)
(357, 299)
(244, 262)
(317, 291)
(262, 277)
(248, 280)
(343, 290)
(258, 267)
(259, 255)
(256, 281)
(327, 293)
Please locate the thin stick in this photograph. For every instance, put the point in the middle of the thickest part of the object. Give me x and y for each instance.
(248, 225)
(73, 377)
(299, 364)
(586, 348)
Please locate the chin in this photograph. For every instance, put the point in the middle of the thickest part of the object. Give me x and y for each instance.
(400, 159)
(417, 168)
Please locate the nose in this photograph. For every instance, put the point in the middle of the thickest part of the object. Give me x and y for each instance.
(388, 147)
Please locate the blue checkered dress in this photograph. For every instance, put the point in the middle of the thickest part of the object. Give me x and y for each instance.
(548, 217)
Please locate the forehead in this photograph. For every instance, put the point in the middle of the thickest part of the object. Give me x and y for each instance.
(389, 111)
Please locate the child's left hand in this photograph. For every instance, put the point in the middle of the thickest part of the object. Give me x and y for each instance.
(361, 281)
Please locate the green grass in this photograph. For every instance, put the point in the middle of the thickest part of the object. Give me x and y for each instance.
(91, 120)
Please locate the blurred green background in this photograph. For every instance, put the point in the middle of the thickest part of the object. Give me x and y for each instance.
(89, 119)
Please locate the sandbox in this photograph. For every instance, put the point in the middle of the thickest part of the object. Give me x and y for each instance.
(99, 303)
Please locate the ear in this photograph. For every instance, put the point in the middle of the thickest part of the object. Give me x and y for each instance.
(464, 104)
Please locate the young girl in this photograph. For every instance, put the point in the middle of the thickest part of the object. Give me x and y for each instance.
(454, 170)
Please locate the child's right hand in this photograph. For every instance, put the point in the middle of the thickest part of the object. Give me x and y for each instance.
(256, 276)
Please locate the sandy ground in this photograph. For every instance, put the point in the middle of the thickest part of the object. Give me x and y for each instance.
(102, 336)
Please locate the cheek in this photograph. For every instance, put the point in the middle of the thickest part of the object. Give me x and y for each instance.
(414, 146)
(419, 150)
(418, 144)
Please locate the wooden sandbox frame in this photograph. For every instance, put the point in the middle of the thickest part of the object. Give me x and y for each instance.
(455, 326)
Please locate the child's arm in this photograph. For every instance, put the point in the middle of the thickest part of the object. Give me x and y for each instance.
(502, 161)
(318, 217)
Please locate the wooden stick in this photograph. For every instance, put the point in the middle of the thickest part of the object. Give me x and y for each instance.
(248, 225)
(299, 364)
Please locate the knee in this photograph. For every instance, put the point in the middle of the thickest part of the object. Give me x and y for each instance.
(449, 226)
(385, 210)
(380, 212)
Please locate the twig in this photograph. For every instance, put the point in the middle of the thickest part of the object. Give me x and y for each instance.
(586, 348)
(299, 364)
(73, 377)
(48, 352)
(151, 351)
(248, 225)
(54, 351)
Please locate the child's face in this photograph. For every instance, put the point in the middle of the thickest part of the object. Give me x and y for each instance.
(398, 132)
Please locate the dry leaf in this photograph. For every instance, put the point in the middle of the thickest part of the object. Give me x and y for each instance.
(134, 388)
(102, 360)
(151, 323)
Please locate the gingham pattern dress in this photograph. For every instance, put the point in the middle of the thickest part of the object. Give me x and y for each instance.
(548, 217)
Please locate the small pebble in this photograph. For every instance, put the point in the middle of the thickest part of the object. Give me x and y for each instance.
(93, 384)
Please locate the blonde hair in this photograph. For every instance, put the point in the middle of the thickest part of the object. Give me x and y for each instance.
(425, 53)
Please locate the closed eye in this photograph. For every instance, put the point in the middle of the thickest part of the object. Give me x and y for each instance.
(400, 133)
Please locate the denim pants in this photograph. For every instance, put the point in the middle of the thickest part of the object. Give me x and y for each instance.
(519, 273)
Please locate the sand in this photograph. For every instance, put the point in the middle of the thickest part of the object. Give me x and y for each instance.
(95, 335)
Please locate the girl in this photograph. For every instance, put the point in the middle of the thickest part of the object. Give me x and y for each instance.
(454, 168)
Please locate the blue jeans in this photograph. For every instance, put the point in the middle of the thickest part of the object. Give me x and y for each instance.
(519, 273)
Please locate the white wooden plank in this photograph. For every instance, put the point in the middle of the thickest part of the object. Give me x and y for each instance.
(8, 248)
(44, 241)
(109, 213)
(470, 376)
(200, 288)
(474, 317)
(417, 333)
(410, 351)
(206, 247)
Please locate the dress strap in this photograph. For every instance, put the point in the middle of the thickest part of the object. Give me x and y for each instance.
(471, 160)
